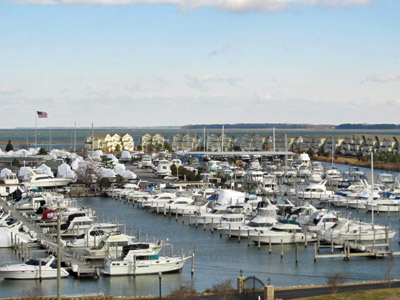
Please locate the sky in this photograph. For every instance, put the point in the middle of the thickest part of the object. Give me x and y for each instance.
(179, 62)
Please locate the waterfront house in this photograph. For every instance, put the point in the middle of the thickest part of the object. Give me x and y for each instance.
(186, 142)
(215, 142)
(254, 142)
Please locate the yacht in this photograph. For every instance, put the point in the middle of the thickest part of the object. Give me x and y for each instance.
(285, 231)
(112, 245)
(33, 269)
(142, 259)
(264, 220)
(37, 179)
(315, 191)
(90, 238)
(348, 230)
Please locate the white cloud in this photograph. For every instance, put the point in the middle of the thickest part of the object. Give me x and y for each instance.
(226, 5)
(203, 81)
(8, 91)
(383, 78)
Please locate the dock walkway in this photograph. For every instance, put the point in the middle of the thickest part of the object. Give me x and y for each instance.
(75, 263)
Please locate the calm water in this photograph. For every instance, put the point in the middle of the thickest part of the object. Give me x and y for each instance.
(217, 259)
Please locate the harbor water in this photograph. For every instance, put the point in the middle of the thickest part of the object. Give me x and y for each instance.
(217, 258)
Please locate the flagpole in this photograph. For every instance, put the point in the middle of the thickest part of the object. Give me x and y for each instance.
(75, 137)
(36, 130)
(50, 138)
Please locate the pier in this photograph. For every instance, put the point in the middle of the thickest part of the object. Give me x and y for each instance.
(76, 264)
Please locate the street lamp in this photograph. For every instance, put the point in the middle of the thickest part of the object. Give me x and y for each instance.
(159, 283)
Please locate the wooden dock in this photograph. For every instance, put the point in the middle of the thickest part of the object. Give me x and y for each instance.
(75, 263)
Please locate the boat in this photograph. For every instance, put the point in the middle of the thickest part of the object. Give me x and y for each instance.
(264, 220)
(112, 245)
(142, 259)
(37, 179)
(315, 191)
(285, 232)
(349, 230)
(90, 238)
(33, 269)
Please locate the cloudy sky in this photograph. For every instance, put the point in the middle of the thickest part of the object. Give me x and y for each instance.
(177, 62)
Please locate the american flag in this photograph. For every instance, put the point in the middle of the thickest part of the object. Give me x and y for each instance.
(41, 114)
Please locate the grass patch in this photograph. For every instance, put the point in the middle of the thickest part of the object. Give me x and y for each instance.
(381, 294)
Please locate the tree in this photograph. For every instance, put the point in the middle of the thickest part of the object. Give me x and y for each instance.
(15, 163)
(105, 183)
(224, 290)
(310, 152)
(183, 293)
(42, 151)
(9, 146)
(168, 147)
(150, 148)
(335, 280)
(174, 170)
(118, 148)
(119, 178)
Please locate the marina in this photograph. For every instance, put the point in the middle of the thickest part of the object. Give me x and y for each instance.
(218, 257)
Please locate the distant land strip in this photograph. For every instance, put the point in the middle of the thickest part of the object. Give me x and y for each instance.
(347, 126)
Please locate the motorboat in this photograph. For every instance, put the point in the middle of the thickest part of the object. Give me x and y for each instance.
(37, 179)
(15, 233)
(316, 191)
(90, 238)
(264, 220)
(284, 231)
(141, 259)
(79, 223)
(112, 245)
(33, 269)
(349, 230)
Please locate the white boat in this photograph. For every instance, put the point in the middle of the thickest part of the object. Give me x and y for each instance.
(33, 269)
(315, 191)
(79, 223)
(112, 245)
(37, 179)
(141, 259)
(348, 230)
(163, 169)
(15, 232)
(264, 220)
(90, 238)
(285, 231)
(383, 205)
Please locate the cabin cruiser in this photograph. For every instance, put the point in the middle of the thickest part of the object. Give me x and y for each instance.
(315, 191)
(284, 231)
(112, 245)
(15, 232)
(163, 169)
(37, 179)
(33, 269)
(349, 230)
(79, 223)
(264, 220)
(384, 205)
(90, 238)
(167, 205)
(142, 259)
(151, 200)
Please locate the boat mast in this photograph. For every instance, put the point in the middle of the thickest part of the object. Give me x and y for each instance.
(50, 137)
(74, 136)
(222, 139)
(372, 186)
(92, 138)
(273, 139)
(332, 151)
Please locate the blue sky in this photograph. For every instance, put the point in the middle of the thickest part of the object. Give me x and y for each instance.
(177, 62)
